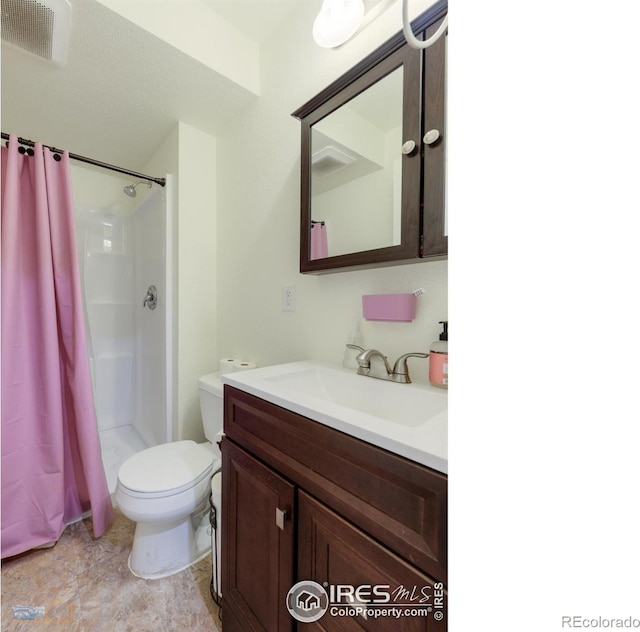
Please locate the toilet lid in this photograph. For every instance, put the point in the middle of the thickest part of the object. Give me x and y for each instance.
(167, 467)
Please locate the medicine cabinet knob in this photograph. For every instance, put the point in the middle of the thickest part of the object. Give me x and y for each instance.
(431, 136)
(408, 147)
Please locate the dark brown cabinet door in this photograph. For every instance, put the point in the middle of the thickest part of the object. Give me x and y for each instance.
(331, 552)
(258, 553)
(434, 229)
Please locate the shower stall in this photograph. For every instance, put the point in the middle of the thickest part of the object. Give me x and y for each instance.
(124, 258)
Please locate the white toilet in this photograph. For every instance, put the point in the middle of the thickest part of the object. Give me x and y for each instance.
(165, 489)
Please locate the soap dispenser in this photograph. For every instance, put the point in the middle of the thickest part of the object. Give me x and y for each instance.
(439, 358)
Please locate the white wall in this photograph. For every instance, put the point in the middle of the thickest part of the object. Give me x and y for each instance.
(259, 207)
(197, 270)
(165, 162)
(190, 156)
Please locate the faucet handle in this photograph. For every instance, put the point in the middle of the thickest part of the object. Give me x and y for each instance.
(400, 367)
(356, 347)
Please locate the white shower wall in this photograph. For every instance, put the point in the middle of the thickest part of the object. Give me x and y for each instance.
(107, 260)
(120, 255)
(150, 350)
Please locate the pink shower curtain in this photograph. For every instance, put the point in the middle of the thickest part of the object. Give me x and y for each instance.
(51, 464)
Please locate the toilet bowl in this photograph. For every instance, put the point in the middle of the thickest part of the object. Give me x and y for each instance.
(165, 490)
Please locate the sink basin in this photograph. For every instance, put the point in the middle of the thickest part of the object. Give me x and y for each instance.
(398, 403)
(407, 419)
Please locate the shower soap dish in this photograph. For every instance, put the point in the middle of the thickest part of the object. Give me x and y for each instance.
(389, 307)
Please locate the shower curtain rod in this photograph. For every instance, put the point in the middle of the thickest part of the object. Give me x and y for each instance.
(91, 161)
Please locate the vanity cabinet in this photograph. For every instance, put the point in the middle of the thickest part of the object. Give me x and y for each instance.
(371, 175)
(302, 501)
(259, 554)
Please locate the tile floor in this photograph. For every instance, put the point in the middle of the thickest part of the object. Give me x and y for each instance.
(85, 585)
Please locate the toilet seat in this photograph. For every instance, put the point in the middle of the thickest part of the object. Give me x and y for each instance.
(166, 470)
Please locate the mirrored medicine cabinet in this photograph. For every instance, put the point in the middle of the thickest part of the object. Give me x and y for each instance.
(373, 159)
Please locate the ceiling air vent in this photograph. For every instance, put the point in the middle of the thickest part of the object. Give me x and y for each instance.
(329, 160)
(40, 27)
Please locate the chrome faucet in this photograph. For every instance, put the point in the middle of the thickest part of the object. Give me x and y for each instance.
(400, 371)
(364, 361)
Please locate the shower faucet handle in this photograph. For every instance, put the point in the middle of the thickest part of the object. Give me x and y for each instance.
(151, 299)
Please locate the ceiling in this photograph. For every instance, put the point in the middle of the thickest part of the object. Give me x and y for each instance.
(123, 89)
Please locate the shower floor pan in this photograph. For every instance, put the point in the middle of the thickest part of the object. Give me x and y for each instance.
(117, 445)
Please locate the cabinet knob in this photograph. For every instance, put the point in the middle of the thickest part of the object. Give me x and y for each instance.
(408, 147)
(431, 136)
(281, 516)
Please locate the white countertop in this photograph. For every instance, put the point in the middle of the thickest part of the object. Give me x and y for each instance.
(407, 419)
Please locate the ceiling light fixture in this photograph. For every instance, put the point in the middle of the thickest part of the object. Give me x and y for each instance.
(337, 22)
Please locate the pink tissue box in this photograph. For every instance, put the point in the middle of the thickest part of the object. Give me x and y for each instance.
(398, 307)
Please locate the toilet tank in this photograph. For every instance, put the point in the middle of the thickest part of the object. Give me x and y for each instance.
(211, 408)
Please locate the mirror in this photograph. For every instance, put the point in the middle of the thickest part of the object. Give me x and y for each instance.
(356, 172)
(372, 190)
(360, 193)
